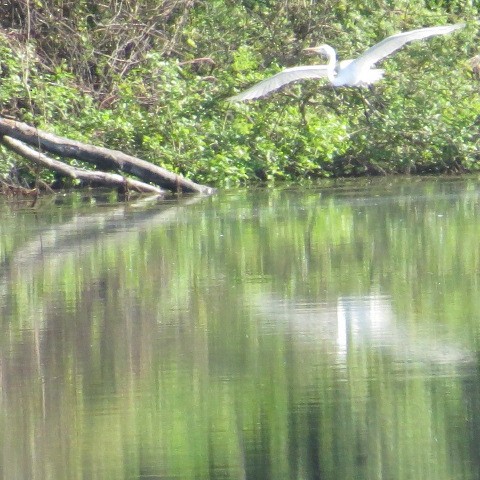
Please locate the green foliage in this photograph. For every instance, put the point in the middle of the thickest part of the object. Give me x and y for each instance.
(164, 98)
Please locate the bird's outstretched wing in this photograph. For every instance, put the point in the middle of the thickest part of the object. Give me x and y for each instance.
(395, 42)
(282, 78)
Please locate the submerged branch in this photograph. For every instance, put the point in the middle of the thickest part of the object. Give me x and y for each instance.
(100, 156)
(109, 179)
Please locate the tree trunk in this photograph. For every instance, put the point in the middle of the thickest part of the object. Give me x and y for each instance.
(108, 179)
(100, 156)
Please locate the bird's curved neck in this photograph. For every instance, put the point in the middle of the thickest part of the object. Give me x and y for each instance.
(332, 61)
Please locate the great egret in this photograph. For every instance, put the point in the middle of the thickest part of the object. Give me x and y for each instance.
(355, 73)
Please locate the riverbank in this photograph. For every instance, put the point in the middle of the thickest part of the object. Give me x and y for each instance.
(153, 83)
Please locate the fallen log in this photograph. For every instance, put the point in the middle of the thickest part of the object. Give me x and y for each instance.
(91, 176)
(100, 156)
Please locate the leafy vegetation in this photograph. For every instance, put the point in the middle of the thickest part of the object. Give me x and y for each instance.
(151, 78)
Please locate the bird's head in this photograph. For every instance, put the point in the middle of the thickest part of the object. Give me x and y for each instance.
(323, 50)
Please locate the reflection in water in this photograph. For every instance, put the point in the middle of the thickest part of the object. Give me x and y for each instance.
(369, 317)
(351, 322)
(324, 333)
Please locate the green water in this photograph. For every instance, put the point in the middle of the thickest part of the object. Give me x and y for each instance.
(314, 333)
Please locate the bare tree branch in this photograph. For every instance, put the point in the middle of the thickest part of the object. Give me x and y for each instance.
(100, 156)
(108, 179)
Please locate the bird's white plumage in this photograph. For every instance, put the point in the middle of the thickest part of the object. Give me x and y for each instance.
(357, 72)
(391, 44)
(282, 78)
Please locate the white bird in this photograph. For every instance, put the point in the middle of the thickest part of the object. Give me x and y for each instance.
(355, 72)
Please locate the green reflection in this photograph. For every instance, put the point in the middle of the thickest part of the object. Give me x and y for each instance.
(324, 333)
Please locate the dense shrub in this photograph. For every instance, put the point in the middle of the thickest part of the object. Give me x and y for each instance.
(152, 78)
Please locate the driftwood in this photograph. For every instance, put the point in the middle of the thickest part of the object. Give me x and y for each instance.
(92, 176)
(100, 156)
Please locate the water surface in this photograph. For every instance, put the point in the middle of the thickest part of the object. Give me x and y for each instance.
(310, 333)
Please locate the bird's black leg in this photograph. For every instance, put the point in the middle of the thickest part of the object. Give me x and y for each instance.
(367, 108)
(303, 107)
